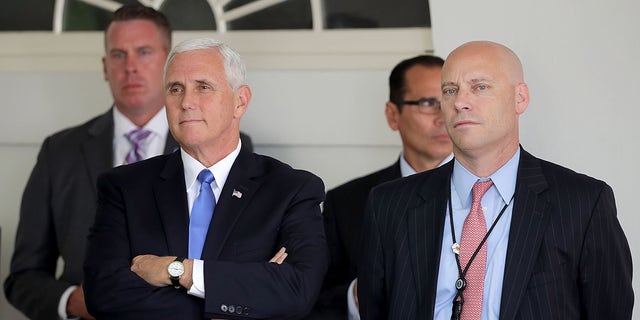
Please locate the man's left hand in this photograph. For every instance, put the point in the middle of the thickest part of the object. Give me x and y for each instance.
(152, 269)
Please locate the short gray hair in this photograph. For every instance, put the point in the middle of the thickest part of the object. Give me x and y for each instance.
(234, 68)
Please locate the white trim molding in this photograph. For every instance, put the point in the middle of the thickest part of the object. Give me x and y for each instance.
(291, 49)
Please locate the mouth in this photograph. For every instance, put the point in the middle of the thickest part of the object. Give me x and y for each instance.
(190, 121)
(133, 85)
(464, 123)
(442, 137)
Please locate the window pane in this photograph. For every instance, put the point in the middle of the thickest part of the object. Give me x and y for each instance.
(26, 15)
(189, 14)
(79, 16)
(291, 14)
(377, 13)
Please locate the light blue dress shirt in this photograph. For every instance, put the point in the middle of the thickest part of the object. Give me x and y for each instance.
(504, 184)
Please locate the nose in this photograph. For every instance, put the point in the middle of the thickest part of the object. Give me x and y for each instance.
(461, 100)
(131, 64)
(187, 102)
(438, 120)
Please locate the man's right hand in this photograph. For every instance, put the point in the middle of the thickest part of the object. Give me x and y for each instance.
(279, 256)
(76, 306)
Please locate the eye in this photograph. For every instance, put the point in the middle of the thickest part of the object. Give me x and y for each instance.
(117, 55)
(176, 90)
(481, 87)
(449, 91)
(428, 102)
(145, 51)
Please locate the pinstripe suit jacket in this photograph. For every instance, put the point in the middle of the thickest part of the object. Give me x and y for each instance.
(567, 256)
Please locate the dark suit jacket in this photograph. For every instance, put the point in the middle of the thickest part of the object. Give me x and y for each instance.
(342, 214)
(58, 207)
(567, 256)
(142, 209)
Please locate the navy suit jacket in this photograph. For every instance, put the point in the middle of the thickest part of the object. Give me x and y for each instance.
(567, 256)
(142, 209)
(343, 211)
(58, 208)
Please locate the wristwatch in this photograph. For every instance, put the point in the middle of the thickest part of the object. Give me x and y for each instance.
(176, 269)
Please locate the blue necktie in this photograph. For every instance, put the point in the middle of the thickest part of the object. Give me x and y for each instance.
(201, 214)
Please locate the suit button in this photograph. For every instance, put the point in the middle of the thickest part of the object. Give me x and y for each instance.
(246, 311)
(239, 309)
(224, 308)
(232, 309)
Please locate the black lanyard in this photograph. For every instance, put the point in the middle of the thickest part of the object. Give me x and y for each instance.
(461, 283)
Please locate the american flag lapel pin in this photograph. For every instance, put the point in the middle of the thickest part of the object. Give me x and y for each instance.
(236, 194)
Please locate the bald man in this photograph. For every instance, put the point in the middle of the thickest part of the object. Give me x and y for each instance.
(497, 233)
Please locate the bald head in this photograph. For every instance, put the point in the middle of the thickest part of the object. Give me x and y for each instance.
(499, 57)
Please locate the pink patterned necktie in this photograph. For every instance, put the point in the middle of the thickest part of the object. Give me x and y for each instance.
(137, 139)
(473, 231)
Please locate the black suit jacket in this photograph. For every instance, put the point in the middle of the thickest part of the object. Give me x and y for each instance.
(142, 209)
(58, 207)
(342, 214)
(567, 256)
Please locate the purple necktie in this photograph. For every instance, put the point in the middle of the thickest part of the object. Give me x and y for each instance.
(137, 139)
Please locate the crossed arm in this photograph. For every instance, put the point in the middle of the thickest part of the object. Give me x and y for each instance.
(153, 269)
(126, 266)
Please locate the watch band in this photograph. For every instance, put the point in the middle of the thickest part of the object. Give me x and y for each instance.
(175, 281)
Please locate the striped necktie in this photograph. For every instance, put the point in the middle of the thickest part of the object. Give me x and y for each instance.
(137, 138)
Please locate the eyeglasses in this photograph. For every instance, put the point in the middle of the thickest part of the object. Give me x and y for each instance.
(425, 105)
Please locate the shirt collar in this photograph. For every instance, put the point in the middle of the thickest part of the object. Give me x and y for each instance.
(220, 169)
(406, 169)
(157, 125)
(504, 179)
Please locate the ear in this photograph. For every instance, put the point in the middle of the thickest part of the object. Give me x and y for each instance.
(522, 98)
(104, 68)
(393, 115)
(243, 97)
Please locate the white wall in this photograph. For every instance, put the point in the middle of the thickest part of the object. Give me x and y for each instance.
(580, 60)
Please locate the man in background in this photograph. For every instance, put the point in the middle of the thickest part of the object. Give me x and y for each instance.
(190, 235)
(413, 110)
(59, 201)
(497, 233)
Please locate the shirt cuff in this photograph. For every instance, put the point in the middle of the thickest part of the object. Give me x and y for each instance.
(64, 300)
(354, 313)
(197, 275)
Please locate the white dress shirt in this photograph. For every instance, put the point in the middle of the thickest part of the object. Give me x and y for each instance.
(220, 172)
(154, 143)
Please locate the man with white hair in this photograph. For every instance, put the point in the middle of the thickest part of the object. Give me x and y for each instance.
(191, 235)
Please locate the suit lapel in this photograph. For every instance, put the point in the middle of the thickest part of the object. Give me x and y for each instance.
(171, 198)
(97, 150)
(236, 194)
(424, 229)
(170, 144)
(528, 223)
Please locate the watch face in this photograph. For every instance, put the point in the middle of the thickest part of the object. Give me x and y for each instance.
(176, 269)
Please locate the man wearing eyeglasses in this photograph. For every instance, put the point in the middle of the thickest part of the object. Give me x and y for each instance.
(413, 110)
